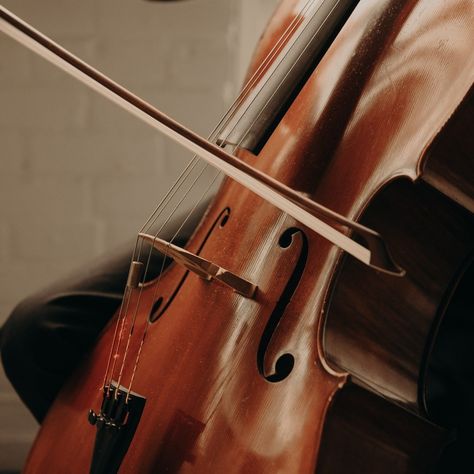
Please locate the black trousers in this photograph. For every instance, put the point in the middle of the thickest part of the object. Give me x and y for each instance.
(47, 334)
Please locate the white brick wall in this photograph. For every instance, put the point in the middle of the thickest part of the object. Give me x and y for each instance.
(77, 175)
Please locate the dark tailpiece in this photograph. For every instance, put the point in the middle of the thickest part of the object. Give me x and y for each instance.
(116, 424)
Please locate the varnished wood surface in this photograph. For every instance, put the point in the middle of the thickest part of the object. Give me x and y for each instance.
(387, 86)
(379, 328)
(449, 162)
(364, 433)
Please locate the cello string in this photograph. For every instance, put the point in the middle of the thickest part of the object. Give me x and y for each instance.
(116, 355)
(261, 68)
(252, 81)
(165, 202)
(135, 312)
(127, 293)
(158, 280)
(155, 215)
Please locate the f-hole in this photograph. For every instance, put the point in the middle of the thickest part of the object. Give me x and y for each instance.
(155, 310)
(285, 363)
(158, 307)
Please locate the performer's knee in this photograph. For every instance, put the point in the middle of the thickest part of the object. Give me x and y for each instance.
(24, 349)
(19, 334)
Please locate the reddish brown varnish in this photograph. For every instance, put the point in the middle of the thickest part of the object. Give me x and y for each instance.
(376, 133)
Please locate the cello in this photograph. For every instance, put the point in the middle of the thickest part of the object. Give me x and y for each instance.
(304, 359)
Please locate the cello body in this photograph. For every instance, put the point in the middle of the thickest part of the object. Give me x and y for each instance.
(327, 367)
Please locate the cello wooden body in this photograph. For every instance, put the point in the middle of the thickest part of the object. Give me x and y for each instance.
(325, 369)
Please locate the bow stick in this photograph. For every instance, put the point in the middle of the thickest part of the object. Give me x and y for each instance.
(375, 254)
